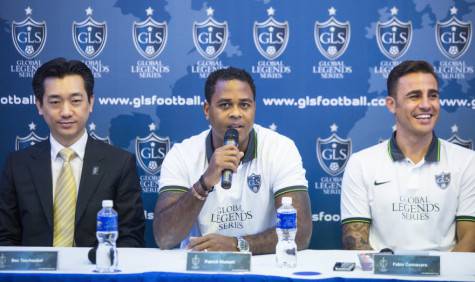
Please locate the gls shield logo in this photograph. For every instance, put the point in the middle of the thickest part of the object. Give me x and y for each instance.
(150, 36)
(442, 180)
(210, 37)
(332, 37)
(151, 151)
(453, 36)
(271, 36)
(333, 152)
(89, 36)
(394, 36)
(455, 139)
(93, 134)
(29, 140)
(29, 36)
(254, 182)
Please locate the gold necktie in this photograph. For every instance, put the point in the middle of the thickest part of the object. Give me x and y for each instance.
(65, 202)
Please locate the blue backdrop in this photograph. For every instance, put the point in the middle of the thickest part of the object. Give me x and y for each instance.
(319, 66)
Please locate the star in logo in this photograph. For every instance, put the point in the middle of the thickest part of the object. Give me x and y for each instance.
(209, 11)
(32, 126)
(149, 11)
(92, 126)
(89, 11)
(270, 11)
(332, 11)
(394, 11)
(28, 11)
(152, 127)
(454, 128)
(273, 127)
(334, 127)
(453, 10)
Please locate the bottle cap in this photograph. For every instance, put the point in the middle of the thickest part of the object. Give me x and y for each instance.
(286, 200)
(107, 203)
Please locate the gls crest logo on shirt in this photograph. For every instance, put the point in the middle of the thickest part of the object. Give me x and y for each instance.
(29, 36)
(394, 36)
(89, 36)
(254, 182)
(442, 180)
(453, 36)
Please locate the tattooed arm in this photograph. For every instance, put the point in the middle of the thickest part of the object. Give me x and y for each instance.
(356, 236)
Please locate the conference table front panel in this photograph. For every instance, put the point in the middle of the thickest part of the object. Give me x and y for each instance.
(158, 265)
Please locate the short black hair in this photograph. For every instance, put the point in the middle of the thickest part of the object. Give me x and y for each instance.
(404, 68)
(226, 74)
(59, 68)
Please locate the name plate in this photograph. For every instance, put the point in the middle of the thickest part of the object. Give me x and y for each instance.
(218, 261)
(406, 264)
(28, 260)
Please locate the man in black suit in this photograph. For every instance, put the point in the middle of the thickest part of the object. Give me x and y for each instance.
(32, 193)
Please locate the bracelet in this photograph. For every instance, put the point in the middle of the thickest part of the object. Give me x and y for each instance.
(196, 194)
(202, 183)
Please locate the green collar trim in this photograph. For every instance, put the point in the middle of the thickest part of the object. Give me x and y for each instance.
(433, 154)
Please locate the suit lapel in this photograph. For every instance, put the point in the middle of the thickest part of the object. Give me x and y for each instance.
(92, 173)
(40, 169)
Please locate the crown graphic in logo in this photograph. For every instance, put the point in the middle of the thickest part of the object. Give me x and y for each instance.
(394, 36)
(29, 140)
(271, 36)
(150, 36)
(93, 134)
(453, 36)
(210, 37)
(458, 140)
(332, 37)
(29, 36)
(89, 36)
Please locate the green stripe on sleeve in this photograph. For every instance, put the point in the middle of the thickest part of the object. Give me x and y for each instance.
(290, 189)
(356, 220)
(173, 189)
(465, 218)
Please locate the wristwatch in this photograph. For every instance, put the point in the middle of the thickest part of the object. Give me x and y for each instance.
(242, 244)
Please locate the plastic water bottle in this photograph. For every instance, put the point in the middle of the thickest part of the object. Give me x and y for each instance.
(286, 249)
(106, 233)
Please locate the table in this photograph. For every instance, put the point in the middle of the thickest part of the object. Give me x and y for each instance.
(159, 265)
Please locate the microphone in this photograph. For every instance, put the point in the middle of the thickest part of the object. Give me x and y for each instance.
(231, 136)
(91, 255)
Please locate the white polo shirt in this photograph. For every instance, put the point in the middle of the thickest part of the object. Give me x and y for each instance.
(410, 206)
(270, 167)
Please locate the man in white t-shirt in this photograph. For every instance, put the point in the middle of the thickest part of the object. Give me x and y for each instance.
(195, 210)
(414, 191)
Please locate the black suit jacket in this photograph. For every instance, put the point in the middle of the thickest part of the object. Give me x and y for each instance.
(26, 196)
